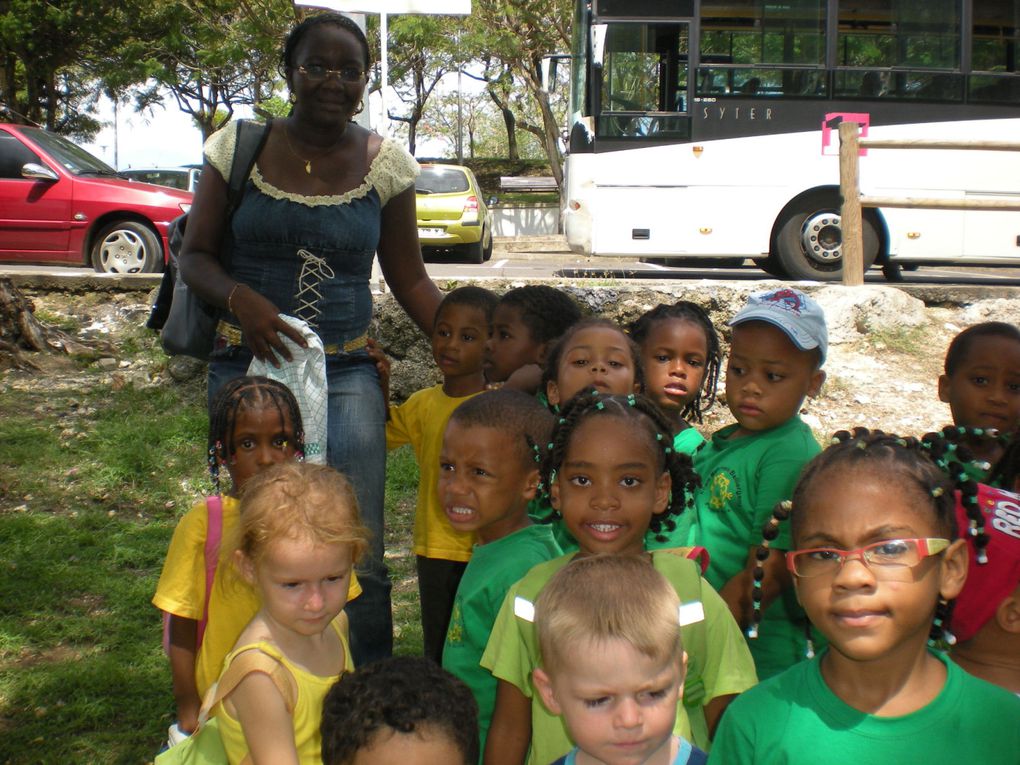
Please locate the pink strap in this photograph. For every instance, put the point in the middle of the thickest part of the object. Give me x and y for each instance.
(213, 537)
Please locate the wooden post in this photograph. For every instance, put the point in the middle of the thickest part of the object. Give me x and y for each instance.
(850, 215)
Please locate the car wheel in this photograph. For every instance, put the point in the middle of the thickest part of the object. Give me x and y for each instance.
(127, 247)
(487, 250)
(475, 252)
(809, 239)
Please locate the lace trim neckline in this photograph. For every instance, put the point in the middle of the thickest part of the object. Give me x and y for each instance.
(320, 200)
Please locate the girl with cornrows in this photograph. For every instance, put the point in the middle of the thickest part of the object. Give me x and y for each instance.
(324, 196)
(613, 476)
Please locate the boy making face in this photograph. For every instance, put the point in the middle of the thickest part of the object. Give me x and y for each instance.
(612, 661)
(488, 473)
(459, 333)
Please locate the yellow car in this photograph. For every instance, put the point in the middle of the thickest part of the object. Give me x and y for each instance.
(452, 216)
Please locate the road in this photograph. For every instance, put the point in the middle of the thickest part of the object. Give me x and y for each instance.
(510, 262)
(545, 258)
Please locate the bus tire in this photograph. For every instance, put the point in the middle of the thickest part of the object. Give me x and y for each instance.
(809, 240)
(770, 265)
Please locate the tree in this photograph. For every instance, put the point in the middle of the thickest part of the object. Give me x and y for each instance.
(212, 55)
(520, 33)
(52, 54)
(423, 49)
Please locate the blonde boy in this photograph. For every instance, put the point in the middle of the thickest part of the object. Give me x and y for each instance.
(613, 664)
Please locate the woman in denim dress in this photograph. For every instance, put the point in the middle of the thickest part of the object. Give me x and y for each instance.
(324, 196)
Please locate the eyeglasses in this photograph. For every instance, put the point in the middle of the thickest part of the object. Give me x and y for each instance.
(889, 560)
(318, 73)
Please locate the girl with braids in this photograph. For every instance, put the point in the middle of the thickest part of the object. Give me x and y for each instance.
(612, 474)
(681, 359)
(874, 561)
(254, 423)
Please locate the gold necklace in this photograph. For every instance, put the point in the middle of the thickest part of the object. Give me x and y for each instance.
(308, 162)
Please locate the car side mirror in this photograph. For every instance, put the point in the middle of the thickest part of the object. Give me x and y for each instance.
(38, 172)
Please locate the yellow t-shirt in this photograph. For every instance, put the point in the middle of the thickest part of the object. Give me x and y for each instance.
(311, 691)
(232, 602)
(420, 421)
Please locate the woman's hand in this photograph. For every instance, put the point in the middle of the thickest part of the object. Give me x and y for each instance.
(261, 325)
(382, 366)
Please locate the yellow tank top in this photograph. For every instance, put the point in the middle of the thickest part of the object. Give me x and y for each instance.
(311, 691)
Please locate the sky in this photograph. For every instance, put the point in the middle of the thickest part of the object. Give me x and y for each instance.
(167, 137)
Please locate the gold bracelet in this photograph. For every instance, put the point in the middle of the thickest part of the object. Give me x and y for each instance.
(231, 297)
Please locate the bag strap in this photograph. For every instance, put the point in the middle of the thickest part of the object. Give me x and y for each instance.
(213, 537)
(244, 664)
(251, 137)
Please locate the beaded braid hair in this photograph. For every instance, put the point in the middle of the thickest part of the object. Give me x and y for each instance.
(932, 465)
(684, 310)
(248, 393)
(552, 359)
(1007, 470)
(642, 414)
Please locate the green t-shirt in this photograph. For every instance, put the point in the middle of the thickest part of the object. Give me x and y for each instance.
(493, 569)
(718, 662)
(794, 719)
(742, 479)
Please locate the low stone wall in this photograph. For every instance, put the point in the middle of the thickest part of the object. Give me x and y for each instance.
(851, 312)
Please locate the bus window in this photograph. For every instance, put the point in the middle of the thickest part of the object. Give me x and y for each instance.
(899, 49)
(762, 49)
(994, 51)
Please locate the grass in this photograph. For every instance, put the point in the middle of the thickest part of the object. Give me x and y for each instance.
(93, 477)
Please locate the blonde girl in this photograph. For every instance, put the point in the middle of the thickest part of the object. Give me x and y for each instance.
(301, 536)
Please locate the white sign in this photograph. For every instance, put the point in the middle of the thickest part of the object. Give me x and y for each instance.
(393, 6)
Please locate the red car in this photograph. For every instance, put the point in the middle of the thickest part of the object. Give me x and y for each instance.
(59, 204)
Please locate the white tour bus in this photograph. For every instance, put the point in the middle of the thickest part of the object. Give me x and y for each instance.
(709, 129)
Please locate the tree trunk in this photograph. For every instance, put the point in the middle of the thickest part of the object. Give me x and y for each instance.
(21, 331)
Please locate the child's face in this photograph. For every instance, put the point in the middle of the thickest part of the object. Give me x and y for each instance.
(458, 340)
(595, 357)
(483, 485)
(618, 704)
(767, 377)
(868, 617)
(419, 747)
(303, 584)
(609, 486)
(674, 354)
(511, 345)
(984, 390)
(262, 437)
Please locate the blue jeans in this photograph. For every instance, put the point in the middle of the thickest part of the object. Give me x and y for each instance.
(356, 446)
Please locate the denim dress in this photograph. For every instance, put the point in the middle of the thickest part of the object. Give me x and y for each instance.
(312, 257)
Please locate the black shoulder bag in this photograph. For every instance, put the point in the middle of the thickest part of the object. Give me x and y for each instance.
(186, 323)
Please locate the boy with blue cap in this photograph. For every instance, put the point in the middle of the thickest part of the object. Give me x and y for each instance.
(776, 356)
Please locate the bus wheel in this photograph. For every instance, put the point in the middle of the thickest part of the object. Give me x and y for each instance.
(809, 240)
(770, 266)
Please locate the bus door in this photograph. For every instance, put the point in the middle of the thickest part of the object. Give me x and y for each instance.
(640, 87)
(641, 79)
